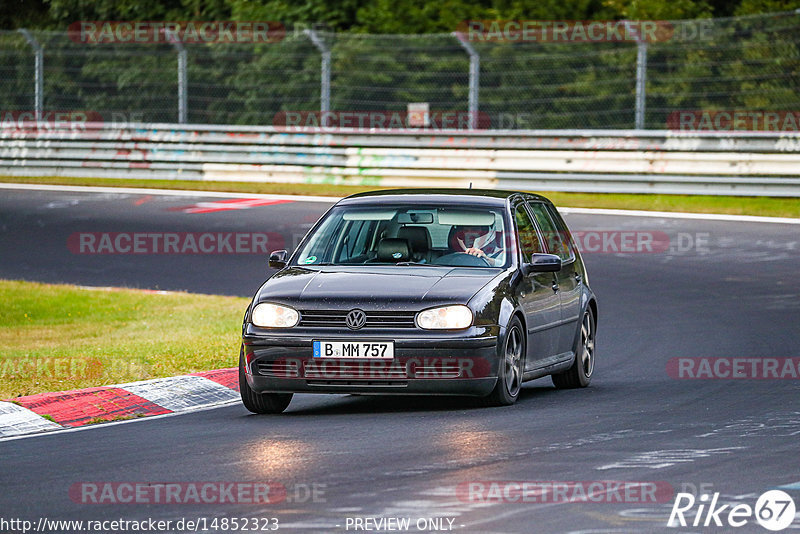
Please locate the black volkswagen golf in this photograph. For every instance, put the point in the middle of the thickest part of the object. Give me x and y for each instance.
(442, 292)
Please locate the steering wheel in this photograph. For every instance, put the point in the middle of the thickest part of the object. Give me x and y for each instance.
(461, 259)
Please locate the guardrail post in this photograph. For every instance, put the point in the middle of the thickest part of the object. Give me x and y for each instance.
(182, 80)
(474, 78)
(38, 92)
(325, 74)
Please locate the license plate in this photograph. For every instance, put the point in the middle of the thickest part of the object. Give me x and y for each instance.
(358, 350)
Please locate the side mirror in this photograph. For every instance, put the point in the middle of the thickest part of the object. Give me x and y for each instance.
(542, 263)
(277, 259)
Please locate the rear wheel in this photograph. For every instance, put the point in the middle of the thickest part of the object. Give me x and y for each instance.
(580, 374)
(509, 379)
(260, 402)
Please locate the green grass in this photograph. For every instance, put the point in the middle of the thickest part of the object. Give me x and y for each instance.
(766, 206)
(59, 337)
(101, 420)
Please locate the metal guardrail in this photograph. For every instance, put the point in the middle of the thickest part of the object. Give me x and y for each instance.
(630, 161)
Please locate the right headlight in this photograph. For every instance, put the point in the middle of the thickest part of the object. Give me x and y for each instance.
(445, 318)
(271, 315)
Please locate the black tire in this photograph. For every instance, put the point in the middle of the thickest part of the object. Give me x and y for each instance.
(261, 403)
(509, 373)
(579, 375)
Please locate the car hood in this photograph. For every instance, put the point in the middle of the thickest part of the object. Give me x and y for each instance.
(402, 286)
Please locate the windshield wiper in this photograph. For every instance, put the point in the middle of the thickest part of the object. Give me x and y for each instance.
(416, 263)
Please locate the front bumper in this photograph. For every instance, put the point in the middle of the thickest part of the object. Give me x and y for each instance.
(433, 363)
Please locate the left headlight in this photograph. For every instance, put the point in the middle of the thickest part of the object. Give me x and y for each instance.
(274, 316)
(445, 318)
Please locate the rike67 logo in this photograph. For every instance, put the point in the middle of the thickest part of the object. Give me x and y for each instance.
(774, 510)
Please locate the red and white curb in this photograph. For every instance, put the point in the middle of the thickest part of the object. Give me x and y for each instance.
(159, 396)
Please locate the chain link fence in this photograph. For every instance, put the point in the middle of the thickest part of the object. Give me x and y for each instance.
(745, 63)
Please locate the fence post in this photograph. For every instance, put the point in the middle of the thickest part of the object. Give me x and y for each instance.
(641, 74)
(641, 83)
(474, 78)
(325, 74)
(38, 92)
(182, 80)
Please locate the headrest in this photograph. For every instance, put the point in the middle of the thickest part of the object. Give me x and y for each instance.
(393, 250)
(418, 237)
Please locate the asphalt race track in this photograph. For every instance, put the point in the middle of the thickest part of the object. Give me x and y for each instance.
(734, 295)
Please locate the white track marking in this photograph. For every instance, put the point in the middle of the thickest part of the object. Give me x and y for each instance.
(680, 215)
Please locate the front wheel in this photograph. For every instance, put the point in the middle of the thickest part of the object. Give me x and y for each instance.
(509, 376)
(262, 403)
(580, 374)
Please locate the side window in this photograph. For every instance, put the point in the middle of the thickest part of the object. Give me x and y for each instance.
(562, 226)
(528, 239)
(354, 240)
(364, 233)
(556, 241)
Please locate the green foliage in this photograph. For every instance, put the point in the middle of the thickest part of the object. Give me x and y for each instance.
(65, 12)
(740, 63)
(337, 14)
(754, 7)
(375, 16)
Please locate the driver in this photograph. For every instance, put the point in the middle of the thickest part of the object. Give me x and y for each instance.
(480, 241)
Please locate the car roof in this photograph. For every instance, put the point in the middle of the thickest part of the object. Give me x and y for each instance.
(436, 196)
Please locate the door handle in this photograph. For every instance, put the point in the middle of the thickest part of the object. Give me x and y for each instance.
(578, 278)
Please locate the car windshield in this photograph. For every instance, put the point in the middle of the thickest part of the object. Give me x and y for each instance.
(463, 236)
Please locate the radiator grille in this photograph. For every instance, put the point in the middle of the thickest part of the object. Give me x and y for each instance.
(375, 319)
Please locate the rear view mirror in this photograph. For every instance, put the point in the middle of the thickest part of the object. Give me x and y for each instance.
(542, 263)
(277, 259)
(415, 217)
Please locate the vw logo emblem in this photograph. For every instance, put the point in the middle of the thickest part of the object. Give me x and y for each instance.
(355, 319)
